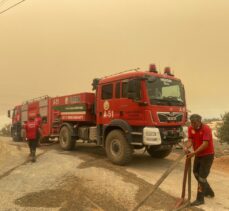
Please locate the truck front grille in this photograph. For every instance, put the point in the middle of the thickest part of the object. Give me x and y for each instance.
(170, 116)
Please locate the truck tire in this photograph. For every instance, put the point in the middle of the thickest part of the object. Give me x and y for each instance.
(118, 150)
(16, 132)
(65, 138)
(158, 151)
(16, 136)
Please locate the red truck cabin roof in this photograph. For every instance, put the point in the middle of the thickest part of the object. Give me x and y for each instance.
(128, 75)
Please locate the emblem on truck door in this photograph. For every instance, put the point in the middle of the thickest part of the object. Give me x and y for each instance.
(106, 105)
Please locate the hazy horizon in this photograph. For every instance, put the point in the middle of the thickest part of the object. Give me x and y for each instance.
(56, 48)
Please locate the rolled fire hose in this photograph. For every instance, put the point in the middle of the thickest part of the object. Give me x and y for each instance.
(182, 203)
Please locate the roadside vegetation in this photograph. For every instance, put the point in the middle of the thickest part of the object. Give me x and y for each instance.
(5, 131)
(223, 129)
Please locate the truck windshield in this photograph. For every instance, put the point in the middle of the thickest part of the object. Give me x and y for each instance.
(164, 91)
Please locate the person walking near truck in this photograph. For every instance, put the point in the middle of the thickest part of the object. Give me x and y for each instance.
(32, 128)
(200, 138)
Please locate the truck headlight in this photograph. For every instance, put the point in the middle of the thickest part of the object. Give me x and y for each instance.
(151, 136)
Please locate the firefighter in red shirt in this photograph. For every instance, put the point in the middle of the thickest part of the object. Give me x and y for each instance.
(200, 138)
(32, 129)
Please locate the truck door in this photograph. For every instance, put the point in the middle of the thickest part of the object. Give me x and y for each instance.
(105, 103)
(113, 103)
(126, 108)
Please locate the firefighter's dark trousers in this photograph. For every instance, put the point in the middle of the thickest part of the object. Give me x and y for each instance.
(201, 170)
(33, 145)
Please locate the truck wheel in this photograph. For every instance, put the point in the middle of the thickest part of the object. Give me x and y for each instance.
(158, 151)
(118, 150)
(16, 137)
(16, 132)
(65, 138)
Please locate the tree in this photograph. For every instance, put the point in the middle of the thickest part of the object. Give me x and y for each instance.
(5, 131)
(223, 129)
(209, 120)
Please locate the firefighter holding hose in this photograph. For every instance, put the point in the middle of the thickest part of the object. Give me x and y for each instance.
(200, 138)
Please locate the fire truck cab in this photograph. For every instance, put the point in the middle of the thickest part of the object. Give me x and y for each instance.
(139, 109)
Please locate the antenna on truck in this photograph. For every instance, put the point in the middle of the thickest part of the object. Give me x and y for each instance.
(134, 69)
(95, 81)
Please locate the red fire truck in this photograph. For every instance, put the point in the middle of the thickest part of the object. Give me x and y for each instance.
(130, 110)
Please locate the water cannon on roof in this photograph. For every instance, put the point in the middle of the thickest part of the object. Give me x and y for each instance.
(167, 71)
(152, 68)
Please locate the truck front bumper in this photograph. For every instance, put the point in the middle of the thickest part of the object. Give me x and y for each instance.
(158, 136)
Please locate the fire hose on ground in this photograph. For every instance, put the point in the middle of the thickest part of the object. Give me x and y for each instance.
(182, 202)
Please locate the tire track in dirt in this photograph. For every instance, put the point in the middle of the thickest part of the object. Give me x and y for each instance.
(71, 194)
(156, 200)
(75, 192)
(24, 163)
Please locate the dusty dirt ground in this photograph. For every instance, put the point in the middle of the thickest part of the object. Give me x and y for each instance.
(84, 179)
(222, 164)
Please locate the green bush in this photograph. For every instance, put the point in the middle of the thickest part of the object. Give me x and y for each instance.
(5, 131)
(223, 130)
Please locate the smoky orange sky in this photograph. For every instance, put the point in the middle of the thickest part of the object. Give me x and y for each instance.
(58, 47)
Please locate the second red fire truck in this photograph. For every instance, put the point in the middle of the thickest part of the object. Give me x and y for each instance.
(127, 111)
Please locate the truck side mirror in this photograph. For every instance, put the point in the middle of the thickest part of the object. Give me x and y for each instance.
(9, 114)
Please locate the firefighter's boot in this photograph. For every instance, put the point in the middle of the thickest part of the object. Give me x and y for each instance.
(199, 199)
(208, 191)
(33, 157)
